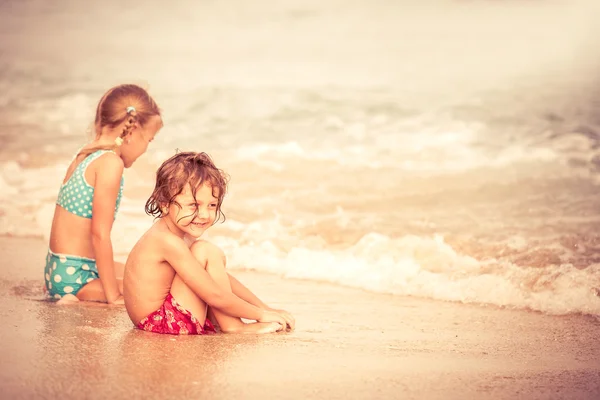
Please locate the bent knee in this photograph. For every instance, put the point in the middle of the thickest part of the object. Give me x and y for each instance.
(204, 251)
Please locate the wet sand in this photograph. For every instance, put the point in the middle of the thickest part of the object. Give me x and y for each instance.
(348, 344)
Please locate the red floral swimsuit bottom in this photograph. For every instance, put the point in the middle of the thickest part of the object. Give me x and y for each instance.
(172, 319)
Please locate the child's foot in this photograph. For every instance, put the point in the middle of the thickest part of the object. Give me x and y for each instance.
(266, 327)
(68, 299)
(255, 327)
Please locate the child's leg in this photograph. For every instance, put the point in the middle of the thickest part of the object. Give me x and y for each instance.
(194, 304)
(94, 291)
(188, 299)
(68, 299)
(213, 258)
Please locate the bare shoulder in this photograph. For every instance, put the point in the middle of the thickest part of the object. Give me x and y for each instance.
(170, 245)
(203, 249)
(156, 241)
(110, 158)
(109, 162)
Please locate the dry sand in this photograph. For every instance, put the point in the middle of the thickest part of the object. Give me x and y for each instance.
(348, 344)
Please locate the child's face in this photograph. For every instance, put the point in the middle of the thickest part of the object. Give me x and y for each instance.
(195, 215)
(139, 140)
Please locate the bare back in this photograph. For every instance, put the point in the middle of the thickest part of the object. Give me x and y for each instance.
(148, 277)
(71, 233)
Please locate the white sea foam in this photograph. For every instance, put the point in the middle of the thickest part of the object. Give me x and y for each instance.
(428, 267)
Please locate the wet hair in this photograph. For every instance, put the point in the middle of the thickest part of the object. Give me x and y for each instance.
(195, 169)
(129, 103)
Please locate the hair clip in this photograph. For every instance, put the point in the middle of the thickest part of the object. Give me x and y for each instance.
(130, 109)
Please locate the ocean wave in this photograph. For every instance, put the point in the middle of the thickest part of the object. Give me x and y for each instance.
(428, 267)
(555, 276)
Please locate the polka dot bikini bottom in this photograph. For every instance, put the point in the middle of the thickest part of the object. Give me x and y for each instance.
(67, 274)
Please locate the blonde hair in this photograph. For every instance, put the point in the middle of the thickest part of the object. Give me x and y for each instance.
(124, 102)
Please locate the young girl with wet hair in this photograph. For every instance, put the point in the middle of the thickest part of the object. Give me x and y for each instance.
(172, 275)
(80, 264)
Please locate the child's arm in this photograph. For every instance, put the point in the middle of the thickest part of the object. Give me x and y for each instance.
(106, 188)
(179, 256)
(244, 293)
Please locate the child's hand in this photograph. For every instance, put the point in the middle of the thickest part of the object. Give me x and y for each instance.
(272, 316)
(289, 320)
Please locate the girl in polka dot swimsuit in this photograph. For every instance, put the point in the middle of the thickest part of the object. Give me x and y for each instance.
(80, 264)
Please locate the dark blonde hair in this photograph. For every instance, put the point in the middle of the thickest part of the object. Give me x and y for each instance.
(124, 102)
(195, 169)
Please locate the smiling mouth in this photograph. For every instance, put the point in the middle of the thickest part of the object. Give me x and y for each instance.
(199, 224)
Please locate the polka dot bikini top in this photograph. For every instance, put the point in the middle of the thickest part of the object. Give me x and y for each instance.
(76, 194)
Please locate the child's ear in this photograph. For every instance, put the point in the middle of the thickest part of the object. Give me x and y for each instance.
(164, 209)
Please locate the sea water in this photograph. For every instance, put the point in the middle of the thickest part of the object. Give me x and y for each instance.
(445, 149)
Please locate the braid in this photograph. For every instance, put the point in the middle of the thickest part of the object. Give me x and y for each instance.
(131, 120)
(123, 103)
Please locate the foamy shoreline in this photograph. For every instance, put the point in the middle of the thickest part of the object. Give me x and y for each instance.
(348, 344)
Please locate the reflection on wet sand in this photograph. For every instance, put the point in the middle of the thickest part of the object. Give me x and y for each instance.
(188, 366)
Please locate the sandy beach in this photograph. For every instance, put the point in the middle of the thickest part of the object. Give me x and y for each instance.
(348, 344)
(416, 182)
